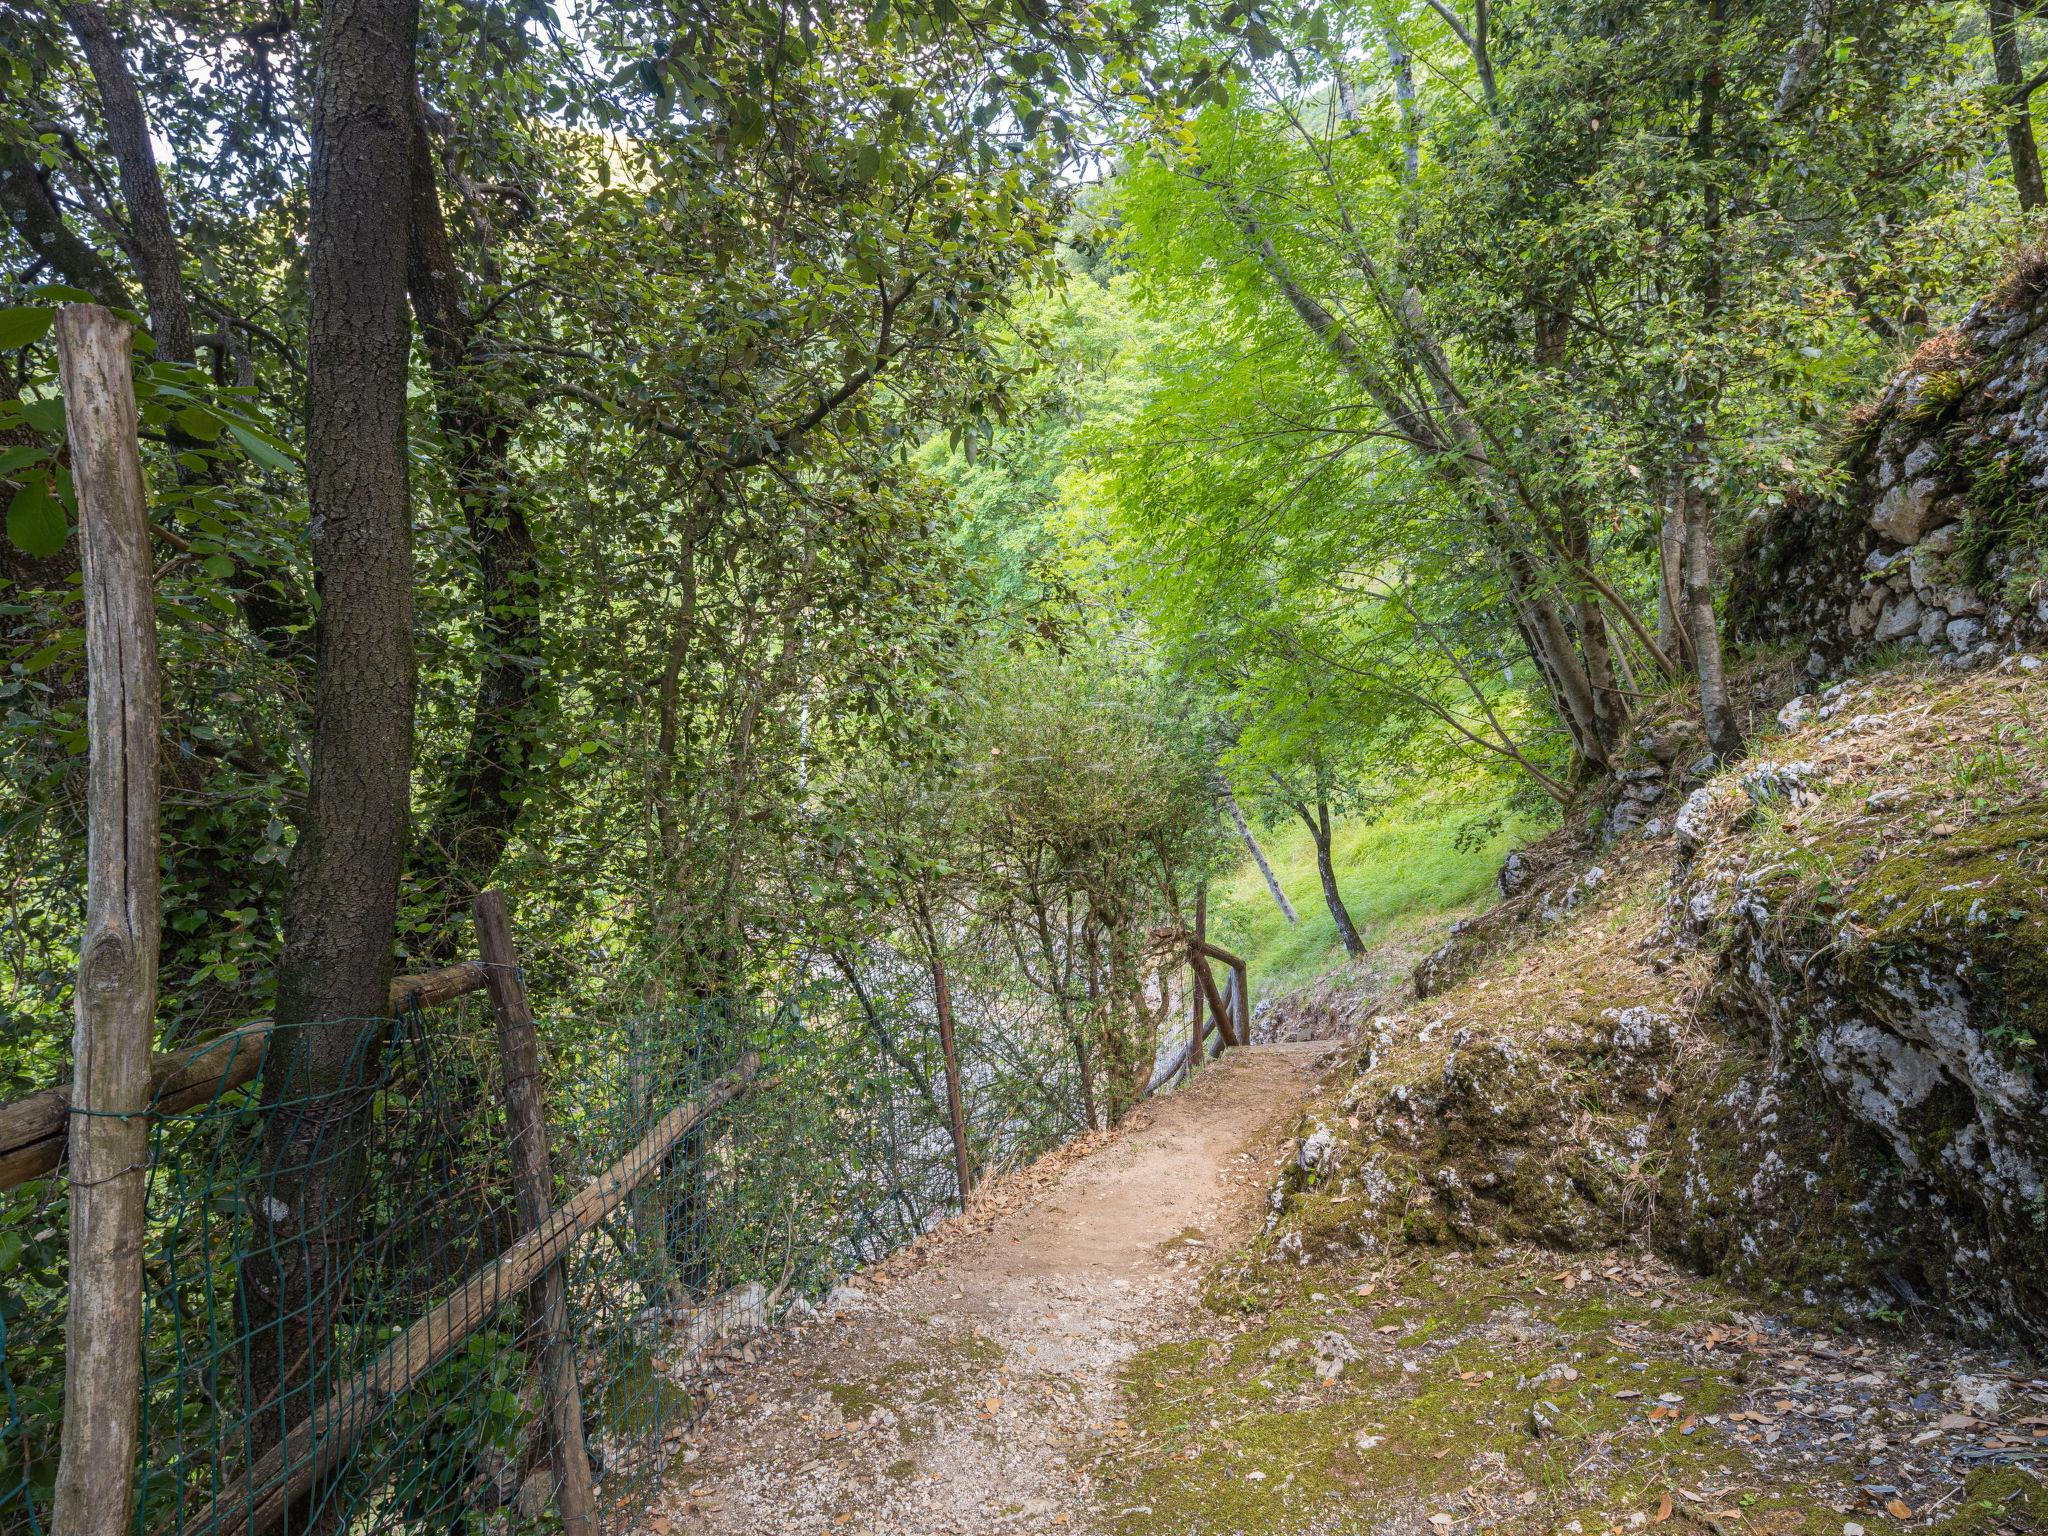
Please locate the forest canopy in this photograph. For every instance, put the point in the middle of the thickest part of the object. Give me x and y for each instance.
(792, 490)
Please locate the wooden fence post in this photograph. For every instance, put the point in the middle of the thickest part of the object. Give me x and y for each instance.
(1200, 1053)
(1200, 961)
(114, 1009)
(533, 1185)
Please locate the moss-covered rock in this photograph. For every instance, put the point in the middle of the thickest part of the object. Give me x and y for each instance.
(1872, 1129)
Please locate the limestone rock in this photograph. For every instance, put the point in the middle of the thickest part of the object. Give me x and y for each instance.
(1899, 619)
(1906, 511)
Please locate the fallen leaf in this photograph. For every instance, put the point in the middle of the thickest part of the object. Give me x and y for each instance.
(1663, 1510)
(1898, 1509)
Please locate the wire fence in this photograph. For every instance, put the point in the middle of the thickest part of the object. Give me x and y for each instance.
(336, 1337)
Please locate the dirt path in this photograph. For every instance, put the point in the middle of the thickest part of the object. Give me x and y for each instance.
(968, 1394)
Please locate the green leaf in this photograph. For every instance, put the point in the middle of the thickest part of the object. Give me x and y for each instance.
(46, 416)
(21, 458)
(267, 451)
(199, 424)
(219, 567)
(24, 326)
(35, 523)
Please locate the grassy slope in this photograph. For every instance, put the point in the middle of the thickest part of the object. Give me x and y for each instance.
(1402, 876)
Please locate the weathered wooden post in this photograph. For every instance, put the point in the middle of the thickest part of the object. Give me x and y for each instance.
(1200, 1051)
(533, 1186)
(956, 1113)
(114, 1009)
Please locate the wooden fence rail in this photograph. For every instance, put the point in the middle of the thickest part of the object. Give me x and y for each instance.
(33, 1128)
(319, 1443)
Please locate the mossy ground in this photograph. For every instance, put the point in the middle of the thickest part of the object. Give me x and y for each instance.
(1522, 1392)
(1505, 1111)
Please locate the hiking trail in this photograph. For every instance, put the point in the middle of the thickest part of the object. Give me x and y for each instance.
(970, 1381)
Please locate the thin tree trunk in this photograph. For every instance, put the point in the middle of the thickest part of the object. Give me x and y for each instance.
(1724, 735)
(115, 1000)
(2019, 115)
(1321, 830)
(1258, 854)
(1672, 633)
(33, 215)
(480, 806)
(154, 245)
(341, 897)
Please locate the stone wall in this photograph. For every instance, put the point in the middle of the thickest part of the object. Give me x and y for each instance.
(1933, 541)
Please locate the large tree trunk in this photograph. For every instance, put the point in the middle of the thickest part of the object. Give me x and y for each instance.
(2019, 116)
(153, 245)
(1321, 831)
(1258, 854)
(1610, 707)
(342, 893)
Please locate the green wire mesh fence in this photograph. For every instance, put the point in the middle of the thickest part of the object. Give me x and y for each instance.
(333, 1339)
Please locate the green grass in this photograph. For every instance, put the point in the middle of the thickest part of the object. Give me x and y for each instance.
(1401, 876)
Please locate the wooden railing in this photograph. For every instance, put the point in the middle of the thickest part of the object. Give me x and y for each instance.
(34, 1129)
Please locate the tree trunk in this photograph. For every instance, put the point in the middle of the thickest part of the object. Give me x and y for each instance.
(115, 1000)
(1672, 633)
(1320, 829)
(1724, 735)
(1610, 708)
(153, 245)
(479, 807)
(1795, 80)
(33, 215)
(341, 896)
(2019, 115)
(1258, 854)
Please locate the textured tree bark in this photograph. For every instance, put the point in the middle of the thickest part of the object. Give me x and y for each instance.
(1671, 629)
(115, 1003)
(1325, 835)
(1258, 854)
(1795, 81)
(2019, 114)
(1596, 646)
(154, 244)
(533, 1186)
(1724, 735)
(341, 899)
